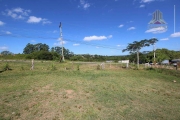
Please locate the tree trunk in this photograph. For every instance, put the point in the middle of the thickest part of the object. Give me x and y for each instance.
(138, 59)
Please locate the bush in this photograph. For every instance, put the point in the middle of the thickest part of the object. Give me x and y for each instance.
(40, 55)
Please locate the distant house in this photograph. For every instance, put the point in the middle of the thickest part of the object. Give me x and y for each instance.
(165, 62)
(175, 62)
(123, 61)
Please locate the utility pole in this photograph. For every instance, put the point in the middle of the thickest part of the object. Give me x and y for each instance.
(60, 27)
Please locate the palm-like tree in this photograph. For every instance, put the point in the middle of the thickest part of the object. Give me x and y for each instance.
(136, 47)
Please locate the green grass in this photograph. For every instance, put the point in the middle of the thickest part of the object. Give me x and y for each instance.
(52, 92)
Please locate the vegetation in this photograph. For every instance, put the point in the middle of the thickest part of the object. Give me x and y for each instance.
(30, 48)
(52, 92)
(6, 53)
(41, 52)
(137, 45)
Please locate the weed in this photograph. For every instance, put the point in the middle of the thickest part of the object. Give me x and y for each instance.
(53, 67)
(78, 67)
(98, 67)
(22, 68)
(6, 67)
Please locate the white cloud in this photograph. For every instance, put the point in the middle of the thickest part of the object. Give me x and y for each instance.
(110, 36)
(8, 33)
(146, 1)
(156, 30)
(163, 39)
(120, 26)
(55, 31)
(46, 21)
(18, 10)
(93, 38)
(177, 34)
(119, 45)
(17, 13)
(141, 6)
(33, 19)
(1, 23)
(3, 48)
(60, 43)
(33, 41)
(84, 4)
(130, 21)
(76, 44)
(131, 28)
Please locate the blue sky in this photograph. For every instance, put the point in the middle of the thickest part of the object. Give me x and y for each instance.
(102, 27)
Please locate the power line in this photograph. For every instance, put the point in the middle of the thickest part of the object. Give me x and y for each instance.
(74, 41)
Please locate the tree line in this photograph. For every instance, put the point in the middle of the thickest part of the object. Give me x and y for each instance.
(43, 52)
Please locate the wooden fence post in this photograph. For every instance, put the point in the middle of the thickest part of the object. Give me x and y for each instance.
(32, 65)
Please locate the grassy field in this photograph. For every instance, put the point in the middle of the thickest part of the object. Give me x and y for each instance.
(81, 92)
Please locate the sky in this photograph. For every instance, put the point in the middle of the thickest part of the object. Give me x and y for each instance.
(102, 27)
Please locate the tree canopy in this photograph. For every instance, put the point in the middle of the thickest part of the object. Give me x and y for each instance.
(30, 48)
(6, 52)
(137, 45)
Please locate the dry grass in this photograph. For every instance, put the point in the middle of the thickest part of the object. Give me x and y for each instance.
(88, 93)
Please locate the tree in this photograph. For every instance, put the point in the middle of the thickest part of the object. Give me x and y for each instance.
(6, 52)
(66, 52)
(135, 47)
(52, 49)
(41, 47)
(30, 48)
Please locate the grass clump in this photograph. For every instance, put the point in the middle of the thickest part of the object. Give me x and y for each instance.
(78, 67)
(165, 71)
(53, 67)
(6, 67)
(98, 67)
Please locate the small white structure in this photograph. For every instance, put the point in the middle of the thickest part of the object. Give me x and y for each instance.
(165, 62)
(123, 61)
(147, 65)
(109, 61)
